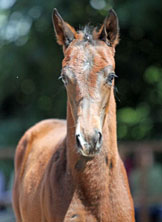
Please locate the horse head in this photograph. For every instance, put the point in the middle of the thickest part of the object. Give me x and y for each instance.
(88, 75)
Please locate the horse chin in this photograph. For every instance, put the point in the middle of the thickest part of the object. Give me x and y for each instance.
(87, 154)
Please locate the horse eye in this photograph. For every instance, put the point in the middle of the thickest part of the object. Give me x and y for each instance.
(110, 78)
(64, 79)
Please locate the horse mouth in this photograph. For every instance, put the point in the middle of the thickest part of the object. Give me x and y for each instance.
(88, 152)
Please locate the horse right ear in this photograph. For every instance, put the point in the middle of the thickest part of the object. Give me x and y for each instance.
(64, 32)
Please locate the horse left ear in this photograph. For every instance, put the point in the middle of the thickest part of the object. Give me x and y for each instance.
(109, 31)
(64, 32)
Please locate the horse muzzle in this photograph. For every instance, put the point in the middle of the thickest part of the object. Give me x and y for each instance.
(89, 146)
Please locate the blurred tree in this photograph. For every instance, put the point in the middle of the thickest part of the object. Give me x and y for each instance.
(31, 63)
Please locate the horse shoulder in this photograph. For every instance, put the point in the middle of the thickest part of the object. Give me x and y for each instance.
(33, 154)
(37, 133)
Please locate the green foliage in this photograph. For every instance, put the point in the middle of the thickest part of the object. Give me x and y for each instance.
(134, 122)
(31, 63)
(153, 74)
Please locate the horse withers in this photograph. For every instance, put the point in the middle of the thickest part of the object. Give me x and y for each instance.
(71, 171)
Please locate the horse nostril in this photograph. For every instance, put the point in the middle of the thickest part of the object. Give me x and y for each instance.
(99, 137)
(96, 139)
(78, 141)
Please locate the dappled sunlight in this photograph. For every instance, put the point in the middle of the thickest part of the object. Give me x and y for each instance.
(16, 27)
(5, 4)
(98, 4)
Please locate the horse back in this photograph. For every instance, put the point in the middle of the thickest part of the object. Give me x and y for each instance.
(32, 157)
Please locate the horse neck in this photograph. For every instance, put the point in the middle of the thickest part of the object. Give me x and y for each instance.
(91, 177)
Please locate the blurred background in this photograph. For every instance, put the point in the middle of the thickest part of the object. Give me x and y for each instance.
(30, 64)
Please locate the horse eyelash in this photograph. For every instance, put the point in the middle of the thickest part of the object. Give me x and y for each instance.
(62, 77)
(116, 93)
(113, 74)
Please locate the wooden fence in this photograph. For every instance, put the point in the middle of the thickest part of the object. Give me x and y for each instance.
(138, 149)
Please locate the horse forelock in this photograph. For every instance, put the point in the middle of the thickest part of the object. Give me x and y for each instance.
(84, 53)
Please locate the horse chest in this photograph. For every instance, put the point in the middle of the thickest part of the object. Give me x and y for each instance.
(105, 213)
(110, 209)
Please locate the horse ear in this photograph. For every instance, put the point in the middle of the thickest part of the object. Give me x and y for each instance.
(109, 31)
(64, 32)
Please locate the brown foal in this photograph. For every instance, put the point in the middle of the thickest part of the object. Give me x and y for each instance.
(71, 171)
